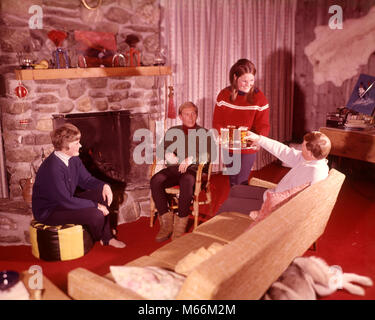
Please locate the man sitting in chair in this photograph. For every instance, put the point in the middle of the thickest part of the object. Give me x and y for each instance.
(54, 201)
(183, 149)
(308, 167)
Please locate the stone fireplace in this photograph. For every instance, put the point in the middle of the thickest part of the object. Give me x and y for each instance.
(27, 122)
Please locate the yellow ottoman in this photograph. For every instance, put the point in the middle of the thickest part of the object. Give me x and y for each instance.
(54, 243)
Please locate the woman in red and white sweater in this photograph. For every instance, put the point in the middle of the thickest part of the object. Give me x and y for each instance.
(242, 104)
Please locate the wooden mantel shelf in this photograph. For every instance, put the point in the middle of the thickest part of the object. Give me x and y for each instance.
(74, 73)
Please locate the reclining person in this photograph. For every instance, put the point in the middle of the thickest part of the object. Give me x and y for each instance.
(182, 161)
(54, 201)
(307, 167)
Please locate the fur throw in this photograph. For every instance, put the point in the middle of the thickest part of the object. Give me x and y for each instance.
(309, 277)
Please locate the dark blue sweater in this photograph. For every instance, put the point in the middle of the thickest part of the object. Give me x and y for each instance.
(55, 184)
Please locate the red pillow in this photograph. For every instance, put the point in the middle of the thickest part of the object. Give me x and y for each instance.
(275, 200)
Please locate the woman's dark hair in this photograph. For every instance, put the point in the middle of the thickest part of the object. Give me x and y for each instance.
(318, 144)
(241, 67)
(62, 136)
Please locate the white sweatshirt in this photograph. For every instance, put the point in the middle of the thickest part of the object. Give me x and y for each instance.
(302, 172)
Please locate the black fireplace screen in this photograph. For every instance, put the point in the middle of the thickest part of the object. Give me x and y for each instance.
(105, 139)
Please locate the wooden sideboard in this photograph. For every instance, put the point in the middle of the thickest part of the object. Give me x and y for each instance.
(358, 145)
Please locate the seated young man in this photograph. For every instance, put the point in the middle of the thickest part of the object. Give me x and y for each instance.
(182, 161)
(307, 167)
(54, 201)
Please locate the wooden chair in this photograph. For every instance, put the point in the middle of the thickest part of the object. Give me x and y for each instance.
(202, 183)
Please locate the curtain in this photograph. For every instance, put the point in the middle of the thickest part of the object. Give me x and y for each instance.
(204, 38)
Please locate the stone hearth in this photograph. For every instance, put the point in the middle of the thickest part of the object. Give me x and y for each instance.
(27, 122)
(15, 217)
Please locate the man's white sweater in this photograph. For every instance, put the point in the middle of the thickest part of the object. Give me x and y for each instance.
(303, 171)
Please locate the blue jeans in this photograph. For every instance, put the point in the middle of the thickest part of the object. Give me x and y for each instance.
(243, 199)
(97, 224)
(170, 177)
(247, 161)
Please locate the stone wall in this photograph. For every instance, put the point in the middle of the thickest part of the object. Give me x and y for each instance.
(26, 122)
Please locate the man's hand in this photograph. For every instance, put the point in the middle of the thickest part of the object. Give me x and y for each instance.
(252, 136)
(185, 164)
(103, 209)
(255, 146)
(171, 158)
(107, 194)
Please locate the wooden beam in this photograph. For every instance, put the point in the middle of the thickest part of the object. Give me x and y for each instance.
(74, 73)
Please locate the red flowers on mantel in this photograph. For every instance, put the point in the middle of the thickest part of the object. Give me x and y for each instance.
(57, 37)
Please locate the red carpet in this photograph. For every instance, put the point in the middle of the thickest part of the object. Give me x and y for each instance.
(348, 241)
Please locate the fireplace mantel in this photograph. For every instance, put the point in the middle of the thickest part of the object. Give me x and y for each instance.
(74, 73)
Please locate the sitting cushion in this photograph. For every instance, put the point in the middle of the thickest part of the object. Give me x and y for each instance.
(62, 242)
(274, 200)
(152, 283)
(194, 258)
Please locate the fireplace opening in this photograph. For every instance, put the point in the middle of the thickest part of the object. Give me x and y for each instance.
(105, 139)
